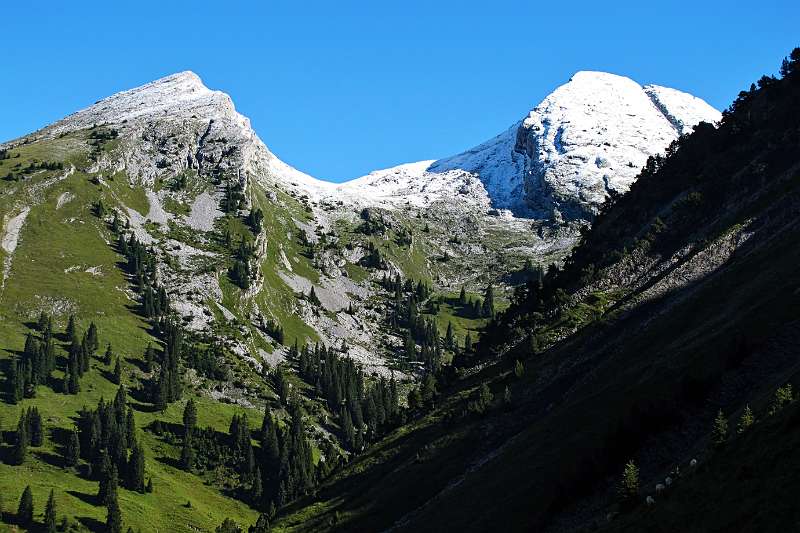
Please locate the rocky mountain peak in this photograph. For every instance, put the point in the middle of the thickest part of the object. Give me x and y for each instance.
(592, 135)
(180, 96)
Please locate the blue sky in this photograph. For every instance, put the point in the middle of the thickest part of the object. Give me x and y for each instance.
(341, 88)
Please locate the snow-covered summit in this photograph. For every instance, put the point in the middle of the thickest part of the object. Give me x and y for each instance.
(593, 134)
(178, 96)
(187, 126)
(588, 137)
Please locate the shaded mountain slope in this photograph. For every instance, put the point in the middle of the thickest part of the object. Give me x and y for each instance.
(681, 301)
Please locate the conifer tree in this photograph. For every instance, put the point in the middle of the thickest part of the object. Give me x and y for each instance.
(25, 508)
(72, 450)
(746, 420)
(20, 451)
(719, 433)
(783, 396)
(118, 372)
(462, 297)
(135, 470)
(50, 514)
(449, 339)
(149, 358)
(519, 370)
(72, 377)
(35, 429)
(93, 341)
(187, 454)
(312, 296)
(130, 426)
(109, 355)
(488, 302)
(261, 525)
(507, 396)
(114, 515)
(629, 484)
(107, 491)
(42, 323)
(15, 381)
(257, 491)
(70, 331)
(189, 419)
(533, 344)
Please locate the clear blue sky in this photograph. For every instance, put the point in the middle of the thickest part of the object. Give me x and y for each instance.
(341, 88)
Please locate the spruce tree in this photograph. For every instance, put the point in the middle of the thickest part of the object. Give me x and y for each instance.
(35, 430)
(533, 344)
(50, 514)
(187, 454)
(118, 372)
(109, 355)
(629, 484)
(719, 433)
(114, 515)
(70, 331)
(20, 451)
(257, 491)
(189, 419)
(746, 420)
(149, 358)
(449, 339)
(135, 470)
(42, 323)
(92, 339)
(72, 450)
(488, 302)
(16, 381)
(519, 370)
(25, 508)
(107, 491)
(462, 297)
(261, 525)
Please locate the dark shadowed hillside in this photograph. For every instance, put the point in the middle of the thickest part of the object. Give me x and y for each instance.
(678, 313)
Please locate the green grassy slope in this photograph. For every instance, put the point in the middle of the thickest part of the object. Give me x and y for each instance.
(49, 273)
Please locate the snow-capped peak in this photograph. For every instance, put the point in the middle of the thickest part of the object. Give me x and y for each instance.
(588, 137)
(591, 135)
(178, 96)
